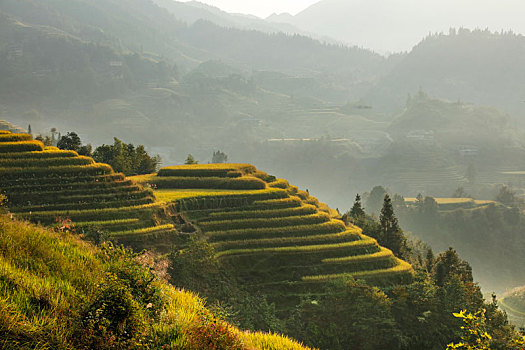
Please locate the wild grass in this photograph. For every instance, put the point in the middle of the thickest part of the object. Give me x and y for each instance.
(46, 279)
(333, 226)
(270, 341)
(249, 223)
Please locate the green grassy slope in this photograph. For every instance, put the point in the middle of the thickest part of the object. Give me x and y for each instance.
(51, 286)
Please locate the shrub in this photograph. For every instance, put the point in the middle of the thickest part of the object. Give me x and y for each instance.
(114, 319)
(210, 333)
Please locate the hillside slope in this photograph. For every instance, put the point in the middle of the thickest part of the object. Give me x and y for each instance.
(279, 239)
(53, 288)
(47, 185)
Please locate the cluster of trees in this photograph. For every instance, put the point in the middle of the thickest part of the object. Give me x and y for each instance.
(217, 157)
(351, 314)
(125, 158)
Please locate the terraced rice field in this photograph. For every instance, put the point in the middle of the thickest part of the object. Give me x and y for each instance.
(276, 235)
(45, 184)
(454, 203)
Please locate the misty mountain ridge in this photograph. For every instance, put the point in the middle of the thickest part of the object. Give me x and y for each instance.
(395, 26)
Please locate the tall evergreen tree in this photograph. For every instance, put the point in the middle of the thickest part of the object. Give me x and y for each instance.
(390, 234)
(357, 209)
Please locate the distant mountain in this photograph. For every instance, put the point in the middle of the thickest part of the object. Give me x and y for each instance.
(193, 11)
(393, 26)
(474, 66)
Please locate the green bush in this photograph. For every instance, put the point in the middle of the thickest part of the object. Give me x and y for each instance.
(114, 319)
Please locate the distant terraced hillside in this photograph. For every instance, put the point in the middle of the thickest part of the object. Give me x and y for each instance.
(513, 303)
(279, 238)
(45, 183)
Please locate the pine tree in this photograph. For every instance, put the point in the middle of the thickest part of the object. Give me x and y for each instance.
(357, 209)
(29, 130)
(391, 235)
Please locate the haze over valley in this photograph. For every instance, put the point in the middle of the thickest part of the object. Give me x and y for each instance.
(228, 144)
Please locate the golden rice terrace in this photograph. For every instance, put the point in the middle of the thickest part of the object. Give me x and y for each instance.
(279, 239)
(44, 184)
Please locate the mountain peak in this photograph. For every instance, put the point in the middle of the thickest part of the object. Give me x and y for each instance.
(283, 17)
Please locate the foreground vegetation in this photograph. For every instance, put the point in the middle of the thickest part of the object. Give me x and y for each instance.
(58, 292)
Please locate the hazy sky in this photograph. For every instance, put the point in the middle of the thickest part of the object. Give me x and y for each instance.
(261, 8)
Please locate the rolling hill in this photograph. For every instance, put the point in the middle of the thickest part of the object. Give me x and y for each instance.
(279, 239)
(53, 288)
(251, 218)
(370, 24)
